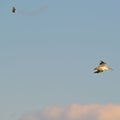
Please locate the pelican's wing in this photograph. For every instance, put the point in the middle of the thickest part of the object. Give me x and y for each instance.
(102, 63)
(98, 71)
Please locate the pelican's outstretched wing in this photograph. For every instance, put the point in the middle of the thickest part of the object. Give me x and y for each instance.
(102, 63)
(98, 71)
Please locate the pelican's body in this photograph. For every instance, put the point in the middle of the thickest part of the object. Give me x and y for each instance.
(102, 67)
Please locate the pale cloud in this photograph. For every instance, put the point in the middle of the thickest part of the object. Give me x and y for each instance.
(53, 112)
(76, 112)
(109, 112)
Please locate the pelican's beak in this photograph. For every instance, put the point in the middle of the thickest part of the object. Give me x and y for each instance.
(110, 68)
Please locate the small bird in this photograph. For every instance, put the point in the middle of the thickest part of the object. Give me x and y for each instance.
(102, 67)
(13, 9)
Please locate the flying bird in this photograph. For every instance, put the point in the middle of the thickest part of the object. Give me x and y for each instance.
(13, 9)
(102, 67)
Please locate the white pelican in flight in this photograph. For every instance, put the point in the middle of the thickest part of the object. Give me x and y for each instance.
(13, 9)
(102, 67)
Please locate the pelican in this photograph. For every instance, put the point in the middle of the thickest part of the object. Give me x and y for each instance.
(102, 67)
(13, 9)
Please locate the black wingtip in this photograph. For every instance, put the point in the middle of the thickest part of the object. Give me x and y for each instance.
(102, 62)
(97, 72)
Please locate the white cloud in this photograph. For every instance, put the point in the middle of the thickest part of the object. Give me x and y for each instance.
(76, 112)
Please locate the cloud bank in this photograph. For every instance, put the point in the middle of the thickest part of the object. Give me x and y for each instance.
(76, 112)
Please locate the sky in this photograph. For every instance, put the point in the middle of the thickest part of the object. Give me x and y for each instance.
(48, 50)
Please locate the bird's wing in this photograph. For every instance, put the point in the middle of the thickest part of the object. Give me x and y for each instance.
(98, 71)
(102, 63)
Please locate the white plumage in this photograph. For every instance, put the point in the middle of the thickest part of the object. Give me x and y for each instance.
(102, 67)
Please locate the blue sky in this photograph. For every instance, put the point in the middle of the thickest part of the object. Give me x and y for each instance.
(48, 50)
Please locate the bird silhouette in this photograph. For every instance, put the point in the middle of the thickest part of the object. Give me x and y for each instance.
(13, 9)
(102, 67)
